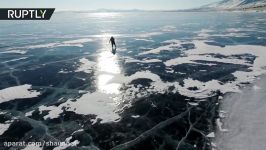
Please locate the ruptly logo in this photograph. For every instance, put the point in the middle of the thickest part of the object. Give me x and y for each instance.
(26, 13)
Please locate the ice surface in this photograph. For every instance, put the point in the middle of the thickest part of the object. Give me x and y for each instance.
(246, 119)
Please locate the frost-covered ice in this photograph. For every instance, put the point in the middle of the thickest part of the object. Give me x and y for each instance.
(245, 119)
(17, 92)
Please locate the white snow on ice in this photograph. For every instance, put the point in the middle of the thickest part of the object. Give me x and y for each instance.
(13, 60)
(71, 43)
(5, 126)
(172, 45)
(132, 60)
(17, 92)
(96, 103)
(14, 52)
(32, 147)
(86, 66)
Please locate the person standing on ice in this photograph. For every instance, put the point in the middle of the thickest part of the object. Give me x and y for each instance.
(112, 40)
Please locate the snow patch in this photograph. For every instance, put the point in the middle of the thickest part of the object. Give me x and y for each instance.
(174, 45)
(4, 126)
(17, 92)
(100, 104)
(71, 43)
(86, 66)
(211, 135)
(32, 147)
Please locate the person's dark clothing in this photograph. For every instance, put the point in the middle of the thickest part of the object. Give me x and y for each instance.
(112, 40)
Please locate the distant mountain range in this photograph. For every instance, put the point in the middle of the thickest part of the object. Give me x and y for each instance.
(223, 5)
(235, 5)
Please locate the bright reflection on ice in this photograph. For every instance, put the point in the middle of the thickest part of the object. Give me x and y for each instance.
(108, 63)
(104, 15)
(108, 68)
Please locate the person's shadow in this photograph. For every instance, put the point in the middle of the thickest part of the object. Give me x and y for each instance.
(114, 50)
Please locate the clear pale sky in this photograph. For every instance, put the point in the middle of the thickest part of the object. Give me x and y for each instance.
(107, 4)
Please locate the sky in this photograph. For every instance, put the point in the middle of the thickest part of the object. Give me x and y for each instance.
(105, 4)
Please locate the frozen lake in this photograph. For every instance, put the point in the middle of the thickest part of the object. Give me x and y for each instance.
(61, 82)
